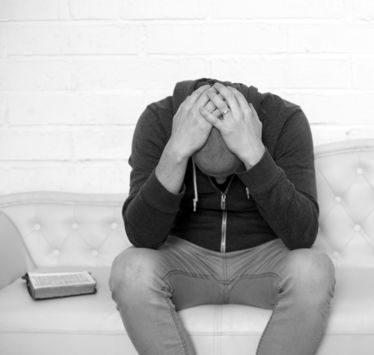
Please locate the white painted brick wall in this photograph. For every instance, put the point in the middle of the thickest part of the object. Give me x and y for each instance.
(76, 74)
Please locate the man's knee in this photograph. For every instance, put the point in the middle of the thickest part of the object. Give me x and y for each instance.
(310, 276)
(134, 271)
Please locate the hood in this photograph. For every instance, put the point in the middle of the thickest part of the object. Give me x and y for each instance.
(184, 88)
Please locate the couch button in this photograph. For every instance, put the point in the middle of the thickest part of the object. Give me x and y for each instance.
(36, 226)
(114, 225)
(338, 199)
(75, 225)
(357, 227)
(56, 252)
(335, 254)
(359, 170)
(95, 252)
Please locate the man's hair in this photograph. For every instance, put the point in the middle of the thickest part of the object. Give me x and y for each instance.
(211, 82)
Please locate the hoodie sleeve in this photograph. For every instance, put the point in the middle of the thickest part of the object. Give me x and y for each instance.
(150, 209)
(284, 189)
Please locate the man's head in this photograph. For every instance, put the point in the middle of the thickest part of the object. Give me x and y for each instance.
(214, 158)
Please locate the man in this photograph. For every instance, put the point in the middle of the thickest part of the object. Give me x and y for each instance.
(222, 209)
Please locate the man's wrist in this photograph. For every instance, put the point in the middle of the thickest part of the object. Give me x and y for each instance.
(174, 152)
(250, 160)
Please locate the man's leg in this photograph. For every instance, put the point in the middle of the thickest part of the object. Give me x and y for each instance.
(298, 285)
(150, 286)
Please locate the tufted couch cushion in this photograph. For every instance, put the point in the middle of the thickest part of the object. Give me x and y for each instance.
(58, 230)
(345, 186)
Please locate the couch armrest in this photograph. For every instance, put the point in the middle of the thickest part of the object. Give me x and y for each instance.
(13, 253)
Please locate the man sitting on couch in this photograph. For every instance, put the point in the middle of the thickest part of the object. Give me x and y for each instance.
(222, 209)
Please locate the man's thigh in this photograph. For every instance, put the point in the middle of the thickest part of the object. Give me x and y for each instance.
(257, 274)
(191, 273)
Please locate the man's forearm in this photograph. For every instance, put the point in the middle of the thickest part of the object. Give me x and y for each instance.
(149, 215)
(292, 215)
(171, 169)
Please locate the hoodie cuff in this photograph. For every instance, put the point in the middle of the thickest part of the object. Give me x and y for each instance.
(158, 197)
(261, 176)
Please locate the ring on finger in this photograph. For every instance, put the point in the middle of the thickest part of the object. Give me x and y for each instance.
(226, 110)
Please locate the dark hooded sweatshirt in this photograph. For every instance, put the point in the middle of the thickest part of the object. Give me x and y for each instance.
(276, 198)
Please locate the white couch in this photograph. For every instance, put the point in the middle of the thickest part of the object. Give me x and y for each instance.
(61, 231)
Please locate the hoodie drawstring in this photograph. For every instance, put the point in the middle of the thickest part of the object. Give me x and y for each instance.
(195, 199)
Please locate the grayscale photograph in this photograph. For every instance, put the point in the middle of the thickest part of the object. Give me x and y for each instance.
(186, 177)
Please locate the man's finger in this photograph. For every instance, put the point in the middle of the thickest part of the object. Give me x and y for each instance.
(212, 119)
(253, 110)
(244, 106)
(217, 100)
(229, 96)
(210, 106)
(196, 94)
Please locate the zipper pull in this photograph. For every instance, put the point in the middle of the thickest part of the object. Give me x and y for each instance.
(247, 192)
(194, 204)
(223, 201)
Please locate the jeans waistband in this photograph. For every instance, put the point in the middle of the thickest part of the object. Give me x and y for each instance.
(192, 247)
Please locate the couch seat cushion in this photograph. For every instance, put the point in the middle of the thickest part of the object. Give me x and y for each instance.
(211, 326)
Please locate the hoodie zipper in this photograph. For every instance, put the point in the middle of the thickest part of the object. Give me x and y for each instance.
(224, 213)
(224, 222)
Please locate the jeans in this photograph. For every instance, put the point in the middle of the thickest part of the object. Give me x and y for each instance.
(149, 286)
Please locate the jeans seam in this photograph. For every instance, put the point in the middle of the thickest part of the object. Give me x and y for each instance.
(177, 325)
(273, 312)
(198, 276)
(257, 276)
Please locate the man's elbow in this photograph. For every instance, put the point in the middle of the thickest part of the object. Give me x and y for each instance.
(306, 236)
(141, 240)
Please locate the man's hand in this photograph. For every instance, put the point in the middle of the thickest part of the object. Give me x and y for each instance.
(190, 130)
(240, 128)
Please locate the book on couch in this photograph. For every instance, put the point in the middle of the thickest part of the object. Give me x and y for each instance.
(43, 285)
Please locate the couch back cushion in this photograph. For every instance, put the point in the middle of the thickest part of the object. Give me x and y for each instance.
(345, 186)
(61, 228)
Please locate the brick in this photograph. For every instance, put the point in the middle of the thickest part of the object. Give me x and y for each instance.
(276, 9)
(81, 177)
(104, 177)
(340, 108)
(324, 133)
(363, 73)
(150, 96)
(74, 108)
(29, 74)
(363, 9)
(36, 176)
(284, 72)
(103, 143)
(94, 9)
(73, 38)
(136, 73)
(35, 144)
(3, 109)
(319, 38)
(330, 38)
(169, 9)
(3, 39)
(4, 171)
(20, 10)
(215, 38)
